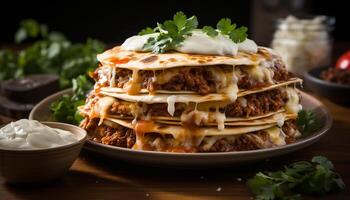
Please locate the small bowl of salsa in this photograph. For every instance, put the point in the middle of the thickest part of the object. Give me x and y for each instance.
(332, 82)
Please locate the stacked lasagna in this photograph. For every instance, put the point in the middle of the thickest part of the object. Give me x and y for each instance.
(178, 102)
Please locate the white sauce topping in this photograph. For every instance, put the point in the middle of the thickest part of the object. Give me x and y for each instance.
(198, 43)
(31, 134)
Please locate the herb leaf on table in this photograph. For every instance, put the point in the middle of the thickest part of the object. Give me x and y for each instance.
(313, 178)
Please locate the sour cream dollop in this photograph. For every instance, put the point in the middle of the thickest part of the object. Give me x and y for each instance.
(31, 134)
(198, 43)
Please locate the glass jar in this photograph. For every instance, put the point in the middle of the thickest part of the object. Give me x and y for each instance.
(304, 43)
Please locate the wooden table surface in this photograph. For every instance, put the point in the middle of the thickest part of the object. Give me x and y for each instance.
(94, 177)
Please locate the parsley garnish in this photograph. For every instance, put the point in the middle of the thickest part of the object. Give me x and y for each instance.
(307, 121)
(65, 108)
(171, 33)
(225, 27)
(210, 31)
(146, 31)
(315, 178)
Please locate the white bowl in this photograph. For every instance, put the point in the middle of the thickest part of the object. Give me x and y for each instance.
(39, 165)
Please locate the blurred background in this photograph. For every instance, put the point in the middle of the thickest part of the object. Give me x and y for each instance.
(113, 21)
(42, 62)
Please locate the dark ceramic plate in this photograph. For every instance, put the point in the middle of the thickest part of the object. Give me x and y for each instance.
(42, 112)
(337, 93)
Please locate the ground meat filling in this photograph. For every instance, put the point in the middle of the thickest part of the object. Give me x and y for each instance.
(196, 79)
(257, 104)
(120, 136)
(124, 137)
(248, 141)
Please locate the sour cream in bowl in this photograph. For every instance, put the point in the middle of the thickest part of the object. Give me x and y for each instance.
(32, 151)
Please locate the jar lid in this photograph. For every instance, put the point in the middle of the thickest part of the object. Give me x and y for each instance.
(306, 23)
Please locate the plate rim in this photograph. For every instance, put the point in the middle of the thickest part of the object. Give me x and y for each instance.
(308, 140)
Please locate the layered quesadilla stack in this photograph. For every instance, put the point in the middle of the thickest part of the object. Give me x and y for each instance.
(184, 102)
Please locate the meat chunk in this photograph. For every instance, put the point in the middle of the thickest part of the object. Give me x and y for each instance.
(258, 104)
(251, 141)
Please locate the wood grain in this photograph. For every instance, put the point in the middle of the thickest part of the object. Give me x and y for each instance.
(95, 177)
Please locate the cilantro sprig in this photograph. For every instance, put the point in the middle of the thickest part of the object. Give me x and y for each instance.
(225, 27)
(171, 33)
(313, 178)
(307, 122)
(65, 108)
(50, 52)
(146, 31)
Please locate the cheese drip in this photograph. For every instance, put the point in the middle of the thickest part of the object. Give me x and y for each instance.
(292, 105)
(103, 105)
(112, 78)
(260, 73)
(171, 100)
(197, 117)
(279, 119)
(220, 119)
(232, 89)
(133, 86)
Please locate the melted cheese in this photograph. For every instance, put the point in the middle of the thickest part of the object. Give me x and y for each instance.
(181, 132)
(232, 89)
(208, 142)
(112, 79)
(197, 117)
(276, 135)
(220, 119)
(171, 100)
(280, 118)
(292, 105)
(133, 86)
(221, 78)
(103, 74)
(243, 101)
(259, 73)
(104, 104)
(166, 75)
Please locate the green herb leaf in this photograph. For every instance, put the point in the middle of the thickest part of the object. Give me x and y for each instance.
(239, 35)
(315, 177)
(225, 27)
(210, 31)
(307, 121)
(323, 161)
(52, 53)
(65, 108)
(30, 28)
(171, 33)
(146, 31)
